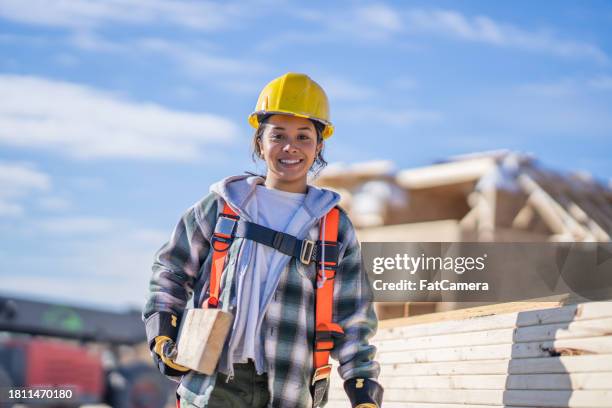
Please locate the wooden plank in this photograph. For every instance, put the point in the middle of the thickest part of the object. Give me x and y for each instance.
(445, 368)
(583, 346)
(440, 230)
(470, 220)
(404, 327)
(477, 338)
(524, 217)
(342, 403)
(586, 345)
(485, 203)
(577, 211)
(593, 210)
(553, 399)
(499, 352)
(564, 364)
(434, 405)
(558, 219)
(563, 347)
(444, 174)
(477, 397)
(548, 365)
(488, 318)
(539, 398)
(201, 338)
(587, 328)
(575, 381)
(476, 382)
(557, 188)
(470, 314)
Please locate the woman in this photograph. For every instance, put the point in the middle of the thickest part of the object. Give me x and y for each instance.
(274, 294)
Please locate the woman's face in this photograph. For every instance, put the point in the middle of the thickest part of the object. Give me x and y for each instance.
(289, 147)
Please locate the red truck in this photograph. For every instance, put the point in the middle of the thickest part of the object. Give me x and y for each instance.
(54, 355)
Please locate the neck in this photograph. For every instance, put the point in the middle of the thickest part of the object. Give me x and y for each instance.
(297, 186)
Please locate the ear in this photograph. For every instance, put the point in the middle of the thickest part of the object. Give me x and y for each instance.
(260, 144)
(319, 148)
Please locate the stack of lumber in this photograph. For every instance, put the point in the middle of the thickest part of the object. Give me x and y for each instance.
(553, 357)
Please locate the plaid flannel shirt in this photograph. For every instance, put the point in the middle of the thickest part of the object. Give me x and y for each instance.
(182, 268)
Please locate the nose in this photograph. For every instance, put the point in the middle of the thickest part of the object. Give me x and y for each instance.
(289, 148)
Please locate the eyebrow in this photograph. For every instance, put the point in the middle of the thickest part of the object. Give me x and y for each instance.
(282, 128)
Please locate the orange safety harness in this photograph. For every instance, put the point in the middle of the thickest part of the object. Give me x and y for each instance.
(325, 329)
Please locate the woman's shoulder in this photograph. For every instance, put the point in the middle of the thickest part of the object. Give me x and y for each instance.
(206, 210)
(346, 229)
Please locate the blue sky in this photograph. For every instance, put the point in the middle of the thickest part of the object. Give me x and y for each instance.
(116, 115)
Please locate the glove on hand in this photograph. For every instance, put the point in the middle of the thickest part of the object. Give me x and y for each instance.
(364, 393)
(166, 350)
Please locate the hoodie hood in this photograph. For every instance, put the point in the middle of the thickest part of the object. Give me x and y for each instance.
(238, 192)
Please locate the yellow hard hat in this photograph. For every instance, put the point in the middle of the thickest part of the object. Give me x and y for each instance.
(297, 95)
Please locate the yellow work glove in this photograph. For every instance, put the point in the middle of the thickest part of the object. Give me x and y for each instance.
(162, 346)
(367, 405)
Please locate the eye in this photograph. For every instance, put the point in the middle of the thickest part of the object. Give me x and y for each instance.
(303, 136)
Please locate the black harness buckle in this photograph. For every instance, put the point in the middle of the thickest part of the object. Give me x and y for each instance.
(306, 251)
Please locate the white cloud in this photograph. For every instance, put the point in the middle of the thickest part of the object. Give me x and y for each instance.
(568, 86)
(17, 181)
(149, 236)
(601, 83)
(371, 22)
(79, 14)
(343, 89)
(8, 209)
(195, 61)
(403, 83)
(558, 88)
(90, 41)
(76, 225)
(83, 122)
(379, 22)
(378, 17)
(486, 30)
(198, 61)
(392, 117)
(52, 203)
(560, 112)
(66, 60)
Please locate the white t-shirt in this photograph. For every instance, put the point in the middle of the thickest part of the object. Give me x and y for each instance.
(275, 209)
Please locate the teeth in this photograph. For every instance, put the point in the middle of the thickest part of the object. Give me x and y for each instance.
(290, 161)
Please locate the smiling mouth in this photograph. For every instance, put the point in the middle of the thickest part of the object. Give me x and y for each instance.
(290, 162)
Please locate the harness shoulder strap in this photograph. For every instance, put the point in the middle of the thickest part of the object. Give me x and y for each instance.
(325, 329)
(220, 243)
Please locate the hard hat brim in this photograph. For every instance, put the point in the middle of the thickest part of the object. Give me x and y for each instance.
(254, 120)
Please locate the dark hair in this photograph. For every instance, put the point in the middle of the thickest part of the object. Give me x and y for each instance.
(319, 162)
